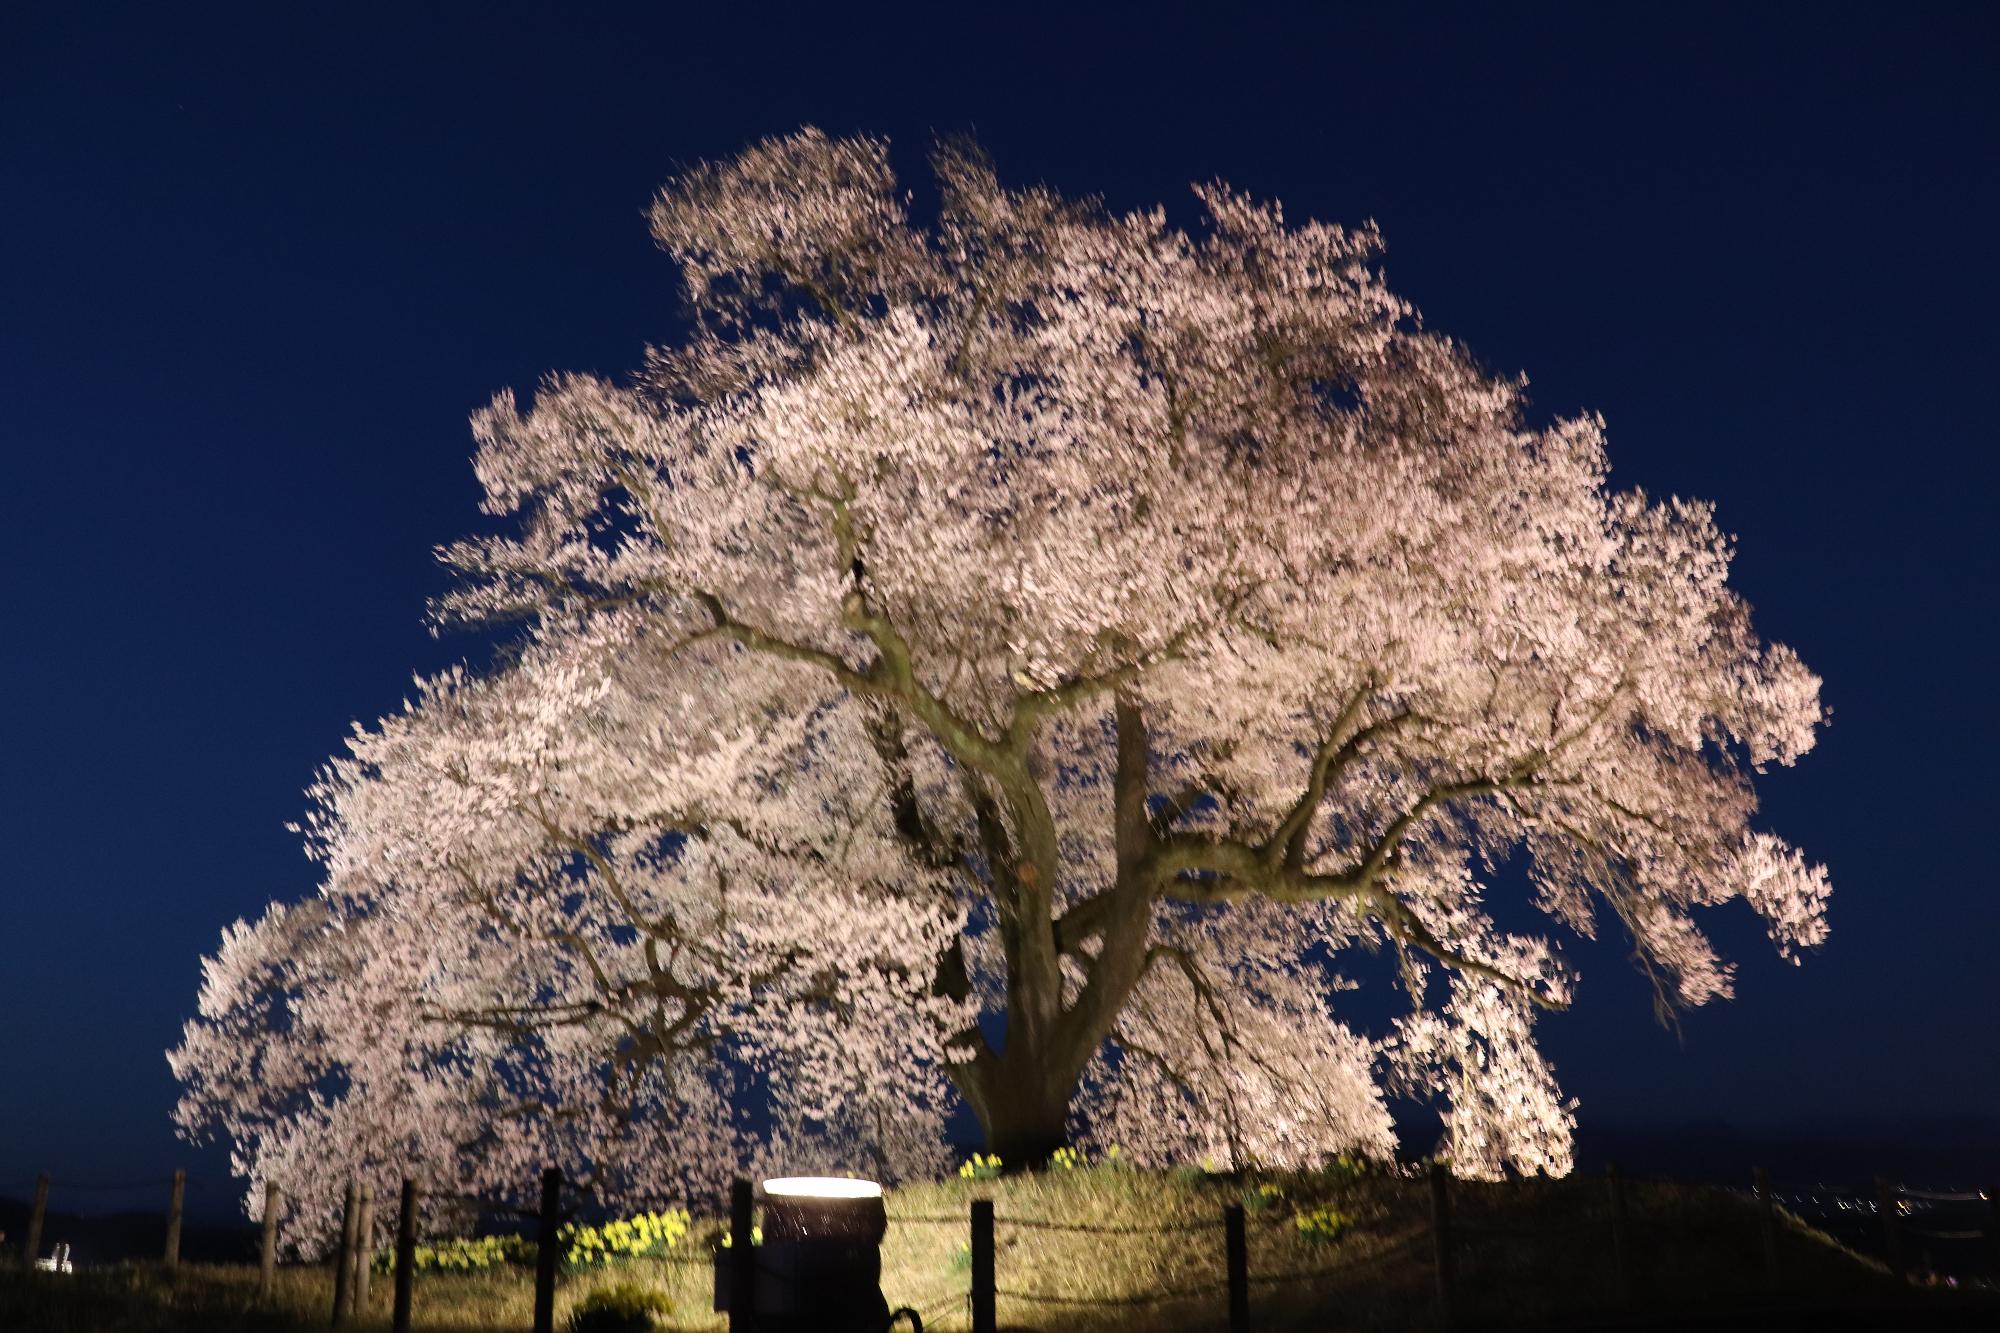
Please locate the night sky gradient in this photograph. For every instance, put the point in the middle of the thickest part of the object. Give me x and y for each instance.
(257, 265)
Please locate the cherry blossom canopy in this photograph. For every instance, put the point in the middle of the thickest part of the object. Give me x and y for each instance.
(1010, 652)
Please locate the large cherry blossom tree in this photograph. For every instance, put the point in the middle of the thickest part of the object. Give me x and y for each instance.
(1014, 648)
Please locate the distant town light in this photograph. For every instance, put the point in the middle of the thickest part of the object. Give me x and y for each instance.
(822, 1187)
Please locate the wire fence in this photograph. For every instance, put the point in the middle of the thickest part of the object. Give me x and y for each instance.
(1208, 1291)
(1463, 1221)
(88, 1186)
(1079, 1228)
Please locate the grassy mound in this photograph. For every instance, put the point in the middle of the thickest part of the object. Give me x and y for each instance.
(1089, 1250)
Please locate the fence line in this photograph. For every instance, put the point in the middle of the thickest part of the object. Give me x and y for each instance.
(1542, 1229)
(116, 1186)
(1447, 1235)
(933, 1311)
(1146, 1298)
(1939, 1196)
(1044, 1224)
(1346, 1266)
(1169, 1228)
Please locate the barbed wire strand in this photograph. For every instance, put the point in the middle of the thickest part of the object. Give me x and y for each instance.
(1038, 1224)
(1547, 1229)
(1149, 1298)
(113, 1186)
(1946, 1235)
(486, 1205)
(1347, 1265)
(1042, 1224)
(1211, 1288)
(930, 1313)
(1944, 1196)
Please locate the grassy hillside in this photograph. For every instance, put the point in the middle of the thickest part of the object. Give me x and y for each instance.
(1094, 1250)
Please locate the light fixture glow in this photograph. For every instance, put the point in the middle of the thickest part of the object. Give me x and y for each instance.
(822, 1187)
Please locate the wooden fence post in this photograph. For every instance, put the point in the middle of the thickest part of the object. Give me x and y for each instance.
(175, 1201)
(406, 1254)
(1768, 1224)
(548, 1242)
(985, 1318)
(31, 1248)
(1239, 1268)
(1892, 1233)
(343, 1262)
(1441, 1239)
(1621, 1251)
(364, 1250)
(742, 1258)
(267, 1260)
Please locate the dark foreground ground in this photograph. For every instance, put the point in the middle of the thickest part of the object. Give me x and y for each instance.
(214, 1301)
(1922, 1317)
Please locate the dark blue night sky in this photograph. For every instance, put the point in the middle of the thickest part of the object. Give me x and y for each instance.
(256, 266)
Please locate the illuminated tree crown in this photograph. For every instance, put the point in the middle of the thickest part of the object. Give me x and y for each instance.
(1015, 654)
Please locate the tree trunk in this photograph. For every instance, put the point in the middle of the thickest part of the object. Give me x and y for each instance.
(1022, 1093)
(1024, 1114)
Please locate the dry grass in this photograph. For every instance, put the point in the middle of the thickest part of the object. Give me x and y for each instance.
(1535, 1253)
